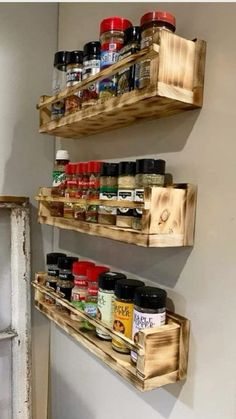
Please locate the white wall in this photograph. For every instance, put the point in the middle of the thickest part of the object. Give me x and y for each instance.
(28, 39)
(200, 148)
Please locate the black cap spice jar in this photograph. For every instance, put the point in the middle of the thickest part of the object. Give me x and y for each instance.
(65, 281)
(91, 66)
(123, 310)
(149, 311)
(59, 82)
(74, 70)
(126, 186)
(52, 273)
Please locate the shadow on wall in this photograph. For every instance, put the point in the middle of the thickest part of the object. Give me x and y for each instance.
(164, 136)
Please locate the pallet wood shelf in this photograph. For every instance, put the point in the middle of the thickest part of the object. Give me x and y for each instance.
(162, 352)
(168, 217)
(176, 85)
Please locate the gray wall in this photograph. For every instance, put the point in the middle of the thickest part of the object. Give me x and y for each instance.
(200, 148)
(28, 39)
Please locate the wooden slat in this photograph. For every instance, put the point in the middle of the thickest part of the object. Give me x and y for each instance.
(18, 200)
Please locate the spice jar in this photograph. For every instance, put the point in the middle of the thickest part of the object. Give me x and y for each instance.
(90, 306)
(65, 281)
(106, 299)
(150, 24)
(74, 71)
(59, 83)
(123, 310)
(85, 180)
(94, 170)
(108, 191)
(126, 185)
(149, 311)
(58, 174)
(91, 66)
(80, 290)
(126, 78)
(52, 274)
(112, 40)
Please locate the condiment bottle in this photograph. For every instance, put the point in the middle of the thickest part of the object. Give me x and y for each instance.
(112, 40)
(126, 78)
(59, 83)
(91, 66)
(58, 174)
(90, 306)
(126, 185)
(106, 299)
(52, 274)
(108, 191)
(65, 281)
(74, 71)
(149, 311)
(150, 24)
(80, 290)
(123, 310)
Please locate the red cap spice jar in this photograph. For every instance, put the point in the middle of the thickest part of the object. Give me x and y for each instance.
(150, 24)
(112, 40)
(80, 290)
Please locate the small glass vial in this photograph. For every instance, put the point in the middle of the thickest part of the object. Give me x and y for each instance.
(126, 186)
(59, 83)
(123, 311)
(80, 290)
(65, 281)
(106, 299)
(74, 71)
(149, 311)
(91, 66)
(52, 274)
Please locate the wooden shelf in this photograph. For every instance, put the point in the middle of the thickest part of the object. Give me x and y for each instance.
(168, 217)
(162, 352)
(176, 85)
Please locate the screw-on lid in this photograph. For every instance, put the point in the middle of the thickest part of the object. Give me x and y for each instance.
(115, 23)
(70, 168)
(125, 288)
(52, 258)
(150, 297)
(110, 169)
(107, 280)
(145, 166)
(160, 166)
(80, 268)
(92, 48)
(75, 57)
(60, 59)
(132, 34)
(93, 272)
(94, 166)
(66, 262)
(127, 168)
(165, 17)
(62, 155)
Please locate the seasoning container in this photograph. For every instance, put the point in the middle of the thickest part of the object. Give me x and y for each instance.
(106, 299)
(90, 306)
(91, 66)
(126, 186)
(126, 78)
(74, 71)
(80, 290)
(94, 170)
(59, 83)
(58, 174)
(71, 180)
(150, 24)
(52, 274)
(65, 281)
(85, 180)
(149, 311)
(108, 191)
(112, 40)
(149, 172)
(123, 310)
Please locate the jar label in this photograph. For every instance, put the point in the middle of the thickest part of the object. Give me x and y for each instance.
(105, 307)
(65, 292)
(139, 195)
(125, 195)
(146, 41)
(90, 308)
(58, 109)
(107, 210)
(110, 56)
(53, 272)
(91, 68)
(58, 178)
(108, 195)
(73, 76)
(66, 276)
(123, 319)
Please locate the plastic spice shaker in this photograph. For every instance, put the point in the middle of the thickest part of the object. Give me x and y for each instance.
(80, 290)
(59, 83)
(123, 310)
(149, 311)
(74, 71)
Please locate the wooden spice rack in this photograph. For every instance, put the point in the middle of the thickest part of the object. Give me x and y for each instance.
(176, 85)
(168, 217)
(162, 352)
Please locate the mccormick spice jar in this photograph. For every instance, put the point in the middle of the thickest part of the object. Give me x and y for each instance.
(52, 274)
(150, 24)
(149, 311)
(74, 71)
(108, 191)
(123, 310)
(94, 171)
(65, 281)
(126, 185)
(106, 299)
(91, 66)
(80, 290)
(59, 83)
(112, 40)
(126, 78)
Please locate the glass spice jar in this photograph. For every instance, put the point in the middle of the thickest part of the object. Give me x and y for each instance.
(74, 71)
(91, 66)
(149, 311)
(80, 290)
(108, 191)
(151, 23)
(85, 180)
(123, 311)
(112, 40)
(59, 83)
(52, 274)
(94, 171)
(126, 185)
(65, 281)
